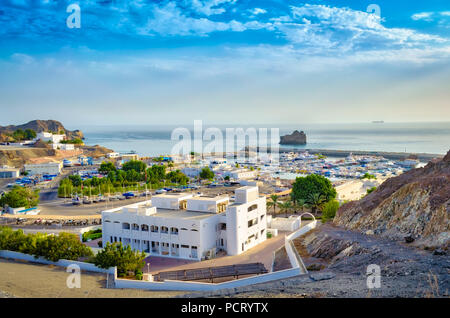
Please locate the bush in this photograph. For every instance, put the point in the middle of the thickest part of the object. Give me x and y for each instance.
(91, 235)
(138, 274)
(126, 259)
(51, 247)
(329, 210)
(371, 190)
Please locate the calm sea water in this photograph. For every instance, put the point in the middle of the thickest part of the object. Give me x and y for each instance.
(399, 137)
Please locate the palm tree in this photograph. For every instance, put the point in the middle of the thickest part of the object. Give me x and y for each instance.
(285, 206)
(301, 204)
(316, 200)
(274, 202)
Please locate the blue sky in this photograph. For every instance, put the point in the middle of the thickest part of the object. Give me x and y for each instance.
(225, 61)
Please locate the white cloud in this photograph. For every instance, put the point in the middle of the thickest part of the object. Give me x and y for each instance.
(257, 11)
(170, 20)
(209, 7)
(345, 29)
(425, 16)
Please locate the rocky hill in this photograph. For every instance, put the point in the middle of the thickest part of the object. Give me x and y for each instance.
(296, 138)
(414, 205)
(40, 126)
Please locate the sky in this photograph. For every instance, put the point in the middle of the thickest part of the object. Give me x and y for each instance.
(143, 62)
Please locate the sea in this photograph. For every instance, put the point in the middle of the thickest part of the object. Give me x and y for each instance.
(155, 140)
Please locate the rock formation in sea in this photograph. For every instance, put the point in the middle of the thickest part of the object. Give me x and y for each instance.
(296, 138)
(414, 207)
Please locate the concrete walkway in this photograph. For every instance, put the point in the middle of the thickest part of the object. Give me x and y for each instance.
(262, 253)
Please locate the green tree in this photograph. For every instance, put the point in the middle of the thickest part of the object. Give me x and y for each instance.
(123, 257)
(274, 202)
(62, 246)
(285, 206)
(20, 197)
(329, 210)
(106, 167)
(75, 180)
(135, 165)
(316, 201)
(206, 174)
(178, 177)
(301, 204)
(51, 247)
(304, 187)
(30, 134)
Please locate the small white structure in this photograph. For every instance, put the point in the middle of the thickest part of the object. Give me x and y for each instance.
(112, 155)
(240, 174)
(191, 172)
(290, 224)
(129, 157)
(53, 138)
(63, 146)
(9, 172)
(23, 211)
(44, 168)
(190, 227)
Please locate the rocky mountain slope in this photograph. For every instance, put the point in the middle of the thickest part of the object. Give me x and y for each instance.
(415, 205)
(39, 126)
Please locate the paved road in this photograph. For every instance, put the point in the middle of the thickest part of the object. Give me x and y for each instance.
(262, 253)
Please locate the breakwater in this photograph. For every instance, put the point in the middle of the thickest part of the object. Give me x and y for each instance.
(425, 157)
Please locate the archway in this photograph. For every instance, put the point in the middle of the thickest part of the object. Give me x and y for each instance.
(313, 218)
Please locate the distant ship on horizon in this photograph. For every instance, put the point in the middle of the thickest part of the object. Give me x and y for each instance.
(378, 122)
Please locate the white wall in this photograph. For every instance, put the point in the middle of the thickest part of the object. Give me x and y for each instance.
(62, 262)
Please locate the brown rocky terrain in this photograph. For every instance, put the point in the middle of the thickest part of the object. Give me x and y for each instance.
(415, 205)
(40, 126)
(372, 231)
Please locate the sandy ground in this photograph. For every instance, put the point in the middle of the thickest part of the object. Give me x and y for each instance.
(21, 279)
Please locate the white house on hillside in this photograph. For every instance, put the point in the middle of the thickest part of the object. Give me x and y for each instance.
(185, 226)
(53, 138)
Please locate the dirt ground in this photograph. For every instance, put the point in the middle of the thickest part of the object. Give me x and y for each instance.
(21, 279)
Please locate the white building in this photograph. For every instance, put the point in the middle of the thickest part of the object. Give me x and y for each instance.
(190, 227)
(191, 172)
(64, 146)
(112, 155)
(46, 137)
(7, 172)
(239, 174)
(44, 168)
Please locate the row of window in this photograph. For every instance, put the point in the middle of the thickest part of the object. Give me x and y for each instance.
(153, 245)
(152, 228)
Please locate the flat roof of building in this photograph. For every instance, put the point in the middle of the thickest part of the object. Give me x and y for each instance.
(183, 214)
(210, 198)
(173, 195)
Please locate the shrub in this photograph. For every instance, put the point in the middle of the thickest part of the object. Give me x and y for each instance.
(371, 190)
(329, 210)
(123, 257)
(51, 247)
